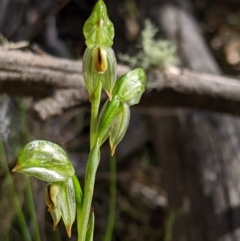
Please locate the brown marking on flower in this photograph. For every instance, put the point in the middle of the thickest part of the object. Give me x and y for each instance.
(100, 60)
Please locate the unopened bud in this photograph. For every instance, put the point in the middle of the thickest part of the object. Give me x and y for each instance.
(106, 118)
(130, 86)
(119, 126)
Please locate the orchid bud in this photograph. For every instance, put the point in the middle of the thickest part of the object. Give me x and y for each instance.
(61, 202)
(119, 126)
(99, 64)
(106, 118)
(44, 160)
(130, 86)
(98, 29)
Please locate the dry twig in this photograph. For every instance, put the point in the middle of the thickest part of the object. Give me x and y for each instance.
(58, 83)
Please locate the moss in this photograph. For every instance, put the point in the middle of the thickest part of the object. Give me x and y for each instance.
(152, 53)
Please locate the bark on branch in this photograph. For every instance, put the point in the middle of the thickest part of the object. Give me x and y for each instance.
(58, 85)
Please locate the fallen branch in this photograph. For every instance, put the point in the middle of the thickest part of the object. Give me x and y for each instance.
(58, 83)
(185, 88)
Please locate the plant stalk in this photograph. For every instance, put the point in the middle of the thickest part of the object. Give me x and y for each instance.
(32, 210)
(84, 213)
(113, 195)
(83, 210)
(79, 203)
(96, 98)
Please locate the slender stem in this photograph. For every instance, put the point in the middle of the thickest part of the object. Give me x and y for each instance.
(112, 206)
(79, 196)
(170, 223)
(57, 235)
(83, 215)
(79, 222)
(20, 217)
(32, 210)
(83, 210)
(94, 113)
(90, 231)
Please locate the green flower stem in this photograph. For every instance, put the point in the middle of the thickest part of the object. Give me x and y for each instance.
(57, 235)
(90, 231)
(79, 222)
(91, 169)
(78, 193)
(113, 194)
(32, 210)
(96, 98)
(20, 217)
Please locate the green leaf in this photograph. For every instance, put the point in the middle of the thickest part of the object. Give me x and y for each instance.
(44, 160)
(98, 29)
(130, 86)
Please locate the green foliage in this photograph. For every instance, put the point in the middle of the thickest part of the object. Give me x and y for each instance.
(152, 53)
(48, 161)
(15, 191)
